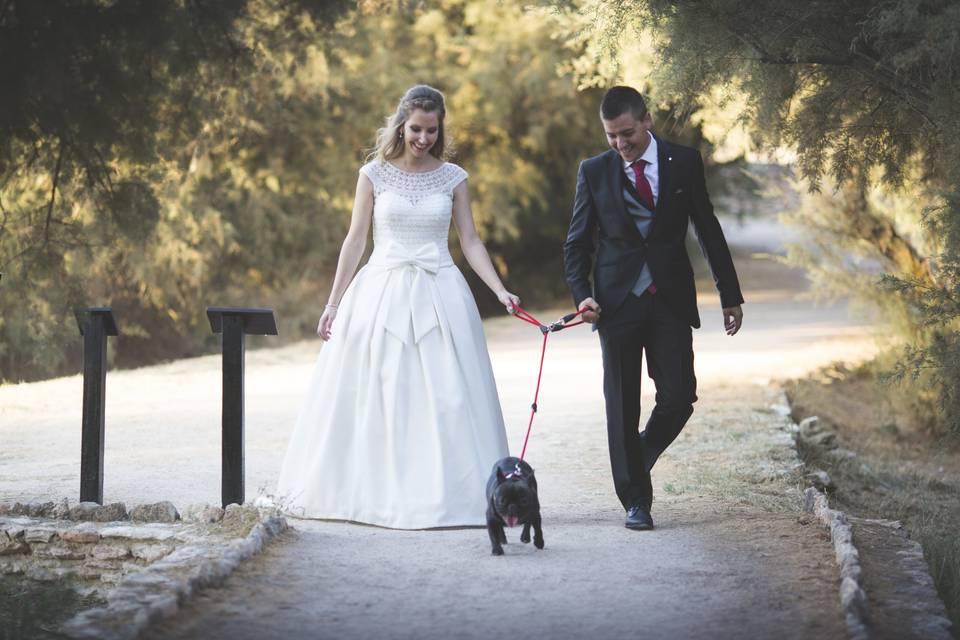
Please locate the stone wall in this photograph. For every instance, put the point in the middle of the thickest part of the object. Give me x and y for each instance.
(144, 562)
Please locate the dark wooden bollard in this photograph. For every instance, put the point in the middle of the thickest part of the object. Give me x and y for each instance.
(96, 323)
(234, 324)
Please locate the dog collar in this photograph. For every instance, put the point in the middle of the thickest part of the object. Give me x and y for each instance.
(516, 473)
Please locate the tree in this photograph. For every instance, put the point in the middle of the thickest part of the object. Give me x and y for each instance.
(865, 92)
(234, 183)
(100, 101)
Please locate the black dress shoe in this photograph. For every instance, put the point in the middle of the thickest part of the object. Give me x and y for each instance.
(638, 516)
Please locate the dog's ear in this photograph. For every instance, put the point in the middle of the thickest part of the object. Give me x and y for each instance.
(500, 477)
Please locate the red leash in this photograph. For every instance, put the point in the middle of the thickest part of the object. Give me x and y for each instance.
(546, 330)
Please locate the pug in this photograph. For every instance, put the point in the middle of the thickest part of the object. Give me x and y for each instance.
(512, 500)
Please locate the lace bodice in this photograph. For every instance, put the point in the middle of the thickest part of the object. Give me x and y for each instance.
(412, 208)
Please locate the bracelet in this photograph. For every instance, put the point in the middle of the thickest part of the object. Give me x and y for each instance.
(331, 306)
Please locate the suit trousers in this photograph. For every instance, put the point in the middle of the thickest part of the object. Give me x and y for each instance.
(644, 325)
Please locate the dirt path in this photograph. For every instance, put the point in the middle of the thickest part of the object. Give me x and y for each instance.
(717, 565)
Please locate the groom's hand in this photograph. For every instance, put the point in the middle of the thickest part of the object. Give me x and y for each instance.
(732, 319)
(593, 310)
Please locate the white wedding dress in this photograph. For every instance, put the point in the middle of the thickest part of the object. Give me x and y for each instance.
(402, 422)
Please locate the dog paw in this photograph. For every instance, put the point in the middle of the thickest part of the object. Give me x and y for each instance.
(524, 538)
(538, 543)
(497, 551)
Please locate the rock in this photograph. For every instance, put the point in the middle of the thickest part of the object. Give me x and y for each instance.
(809, 426)
(40, 509)
(84, 533)
(62, 509)
(110, 552)
(91, 511)
(142, 532)
(240, 518)
(111, 512)
(13, 548)
(4, 508)
(852, 597)
(60, 553)
(32, 509)
(13, 532)
(101, 565)
(811, 432)
(150, 552)
(813, 500)
(40, 534)
(203, 513)
(156, 512)
(825, 439)
(82, 511)
(821, 480)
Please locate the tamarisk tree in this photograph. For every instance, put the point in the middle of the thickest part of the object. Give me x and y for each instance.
(867, 94)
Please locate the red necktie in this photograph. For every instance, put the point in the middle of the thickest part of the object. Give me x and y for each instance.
(646, 195)
(643, 187)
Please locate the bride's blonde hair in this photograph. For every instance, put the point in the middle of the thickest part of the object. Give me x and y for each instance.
(390, 138)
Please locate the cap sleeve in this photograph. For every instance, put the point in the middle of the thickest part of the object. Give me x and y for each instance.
(372, 171)
(455, 175)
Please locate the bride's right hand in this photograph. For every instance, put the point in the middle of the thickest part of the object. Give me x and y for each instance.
(326, 323)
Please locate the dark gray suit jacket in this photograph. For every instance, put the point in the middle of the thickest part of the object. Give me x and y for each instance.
(599, 210)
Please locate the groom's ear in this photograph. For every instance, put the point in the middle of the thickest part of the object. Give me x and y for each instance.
(500, 477)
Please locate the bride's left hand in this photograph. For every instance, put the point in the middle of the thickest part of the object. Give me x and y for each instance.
(509, 300)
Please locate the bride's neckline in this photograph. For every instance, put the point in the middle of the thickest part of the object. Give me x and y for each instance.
(414, 173)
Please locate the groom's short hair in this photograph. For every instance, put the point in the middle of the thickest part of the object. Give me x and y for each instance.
(620, 99)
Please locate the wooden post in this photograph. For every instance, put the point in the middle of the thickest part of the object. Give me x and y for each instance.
(234, 324)
(95, 323)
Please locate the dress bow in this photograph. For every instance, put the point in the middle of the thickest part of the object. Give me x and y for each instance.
(411, 295)
(427, 257)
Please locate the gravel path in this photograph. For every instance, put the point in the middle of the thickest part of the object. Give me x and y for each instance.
(713, 567)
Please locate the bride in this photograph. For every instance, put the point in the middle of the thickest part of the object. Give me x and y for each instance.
(402, 422)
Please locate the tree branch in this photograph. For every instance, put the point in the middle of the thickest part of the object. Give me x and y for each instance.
(53, 193)
(6, 217)
(883, 236)
(859, 61)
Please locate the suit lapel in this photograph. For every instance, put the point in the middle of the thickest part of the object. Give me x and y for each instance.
(615, 183)
(664, 174)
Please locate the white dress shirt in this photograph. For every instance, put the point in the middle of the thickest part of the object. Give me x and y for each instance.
(650, 171)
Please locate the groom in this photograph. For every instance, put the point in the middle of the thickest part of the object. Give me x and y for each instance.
(637, 198)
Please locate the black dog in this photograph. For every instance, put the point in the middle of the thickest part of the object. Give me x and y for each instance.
(512, 499)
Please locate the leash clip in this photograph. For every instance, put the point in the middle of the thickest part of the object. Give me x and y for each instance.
(562, 323)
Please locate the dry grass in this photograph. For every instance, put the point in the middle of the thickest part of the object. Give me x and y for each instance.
(737, 450)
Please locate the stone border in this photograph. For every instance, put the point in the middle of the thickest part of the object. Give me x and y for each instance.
(853, 599)
(933, 624)
(927, 624)
(147, 596)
